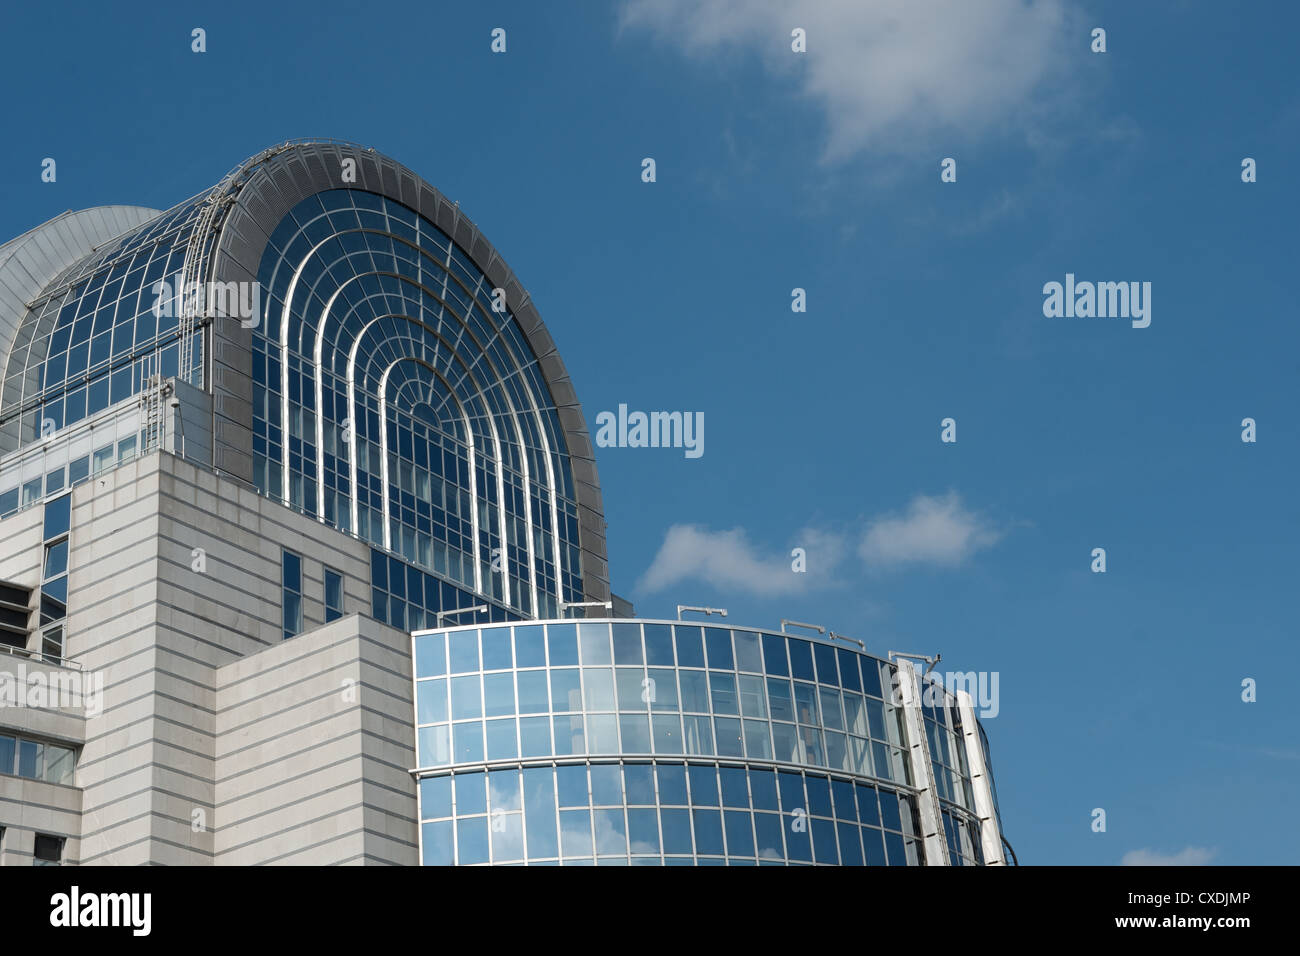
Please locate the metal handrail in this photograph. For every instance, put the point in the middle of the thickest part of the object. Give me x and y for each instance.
(42, 658)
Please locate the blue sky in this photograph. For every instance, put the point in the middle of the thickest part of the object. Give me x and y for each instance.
(822, 171)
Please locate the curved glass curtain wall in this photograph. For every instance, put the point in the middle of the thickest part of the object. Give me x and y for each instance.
(382, 369)
(92, 335)
(539, 698)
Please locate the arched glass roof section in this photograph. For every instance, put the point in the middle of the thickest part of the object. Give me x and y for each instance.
(396, 397)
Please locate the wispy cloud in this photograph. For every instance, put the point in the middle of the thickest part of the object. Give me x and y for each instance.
(1188, 856)
(726, 560)
(889, 75)
(938, 531)
(932, 531)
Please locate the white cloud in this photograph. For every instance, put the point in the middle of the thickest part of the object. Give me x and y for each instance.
(726, 560)
(1189, 856)
(890, 75)
(932, 531)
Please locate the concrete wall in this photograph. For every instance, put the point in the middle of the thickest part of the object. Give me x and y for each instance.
(314, 746)
(174, 577)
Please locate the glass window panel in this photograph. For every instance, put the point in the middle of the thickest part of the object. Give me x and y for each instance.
(530, 646)
(676, 830)
(723, 688)
(635, 732)
(704, 785)
(30, 756)
(849, 669)
(639, 778)
(566, 690)
(735, 786)
(767, 830)
(662, 689)
(832, 717)
(498, 695)
(58, 516)
(501, 741)
(805, 703)
(562, 644)
(824, 655)
(753, 699)
(472, 841)
(569, 736)
(503, 789)
(740, 832)
(466, 700)
(855, 714)
(708, 832)
(846, 807)
(870, 676)
(643, 831)
(434, 748)
(539, 812)
(58, 764)
(757, 742)
(819, 795)
(876, 719)
(56, 559)
(659, 645)
(667, 730)
(717, 642)
(749, 655)
(571, 785)
(606, 785)
(467, 739)
(895, 850)
(627, 644)
(464, 651)
(850, 845)
(825, 849)
(598, 685)
(471, 793)
(435, 797)
(690, 647)
(507, 837)
(889, 815)
(780, 699)
(633, 693)
(533, 692)
(672, 784)
(438, 844)
(801, 664)
(729, 739)
(611, 834)
(431, 698)
(534, 736)
(594, 639)
(694, 691)
(785, 743)
(496, 649)
(697, 735)
(774, 657)
(575, 832)
(874, 845)
(837, 751)
(602, 734)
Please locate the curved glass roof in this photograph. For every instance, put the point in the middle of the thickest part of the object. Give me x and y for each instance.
(87, 340)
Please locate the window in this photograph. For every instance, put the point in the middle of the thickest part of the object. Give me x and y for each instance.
(52, 644)
(54, 575)
(48, 850)
(37, 761)
(333, 595)
(292, 593)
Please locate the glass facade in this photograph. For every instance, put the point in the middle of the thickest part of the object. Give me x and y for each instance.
(396, 397)
(93, 335)
(791, 749)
